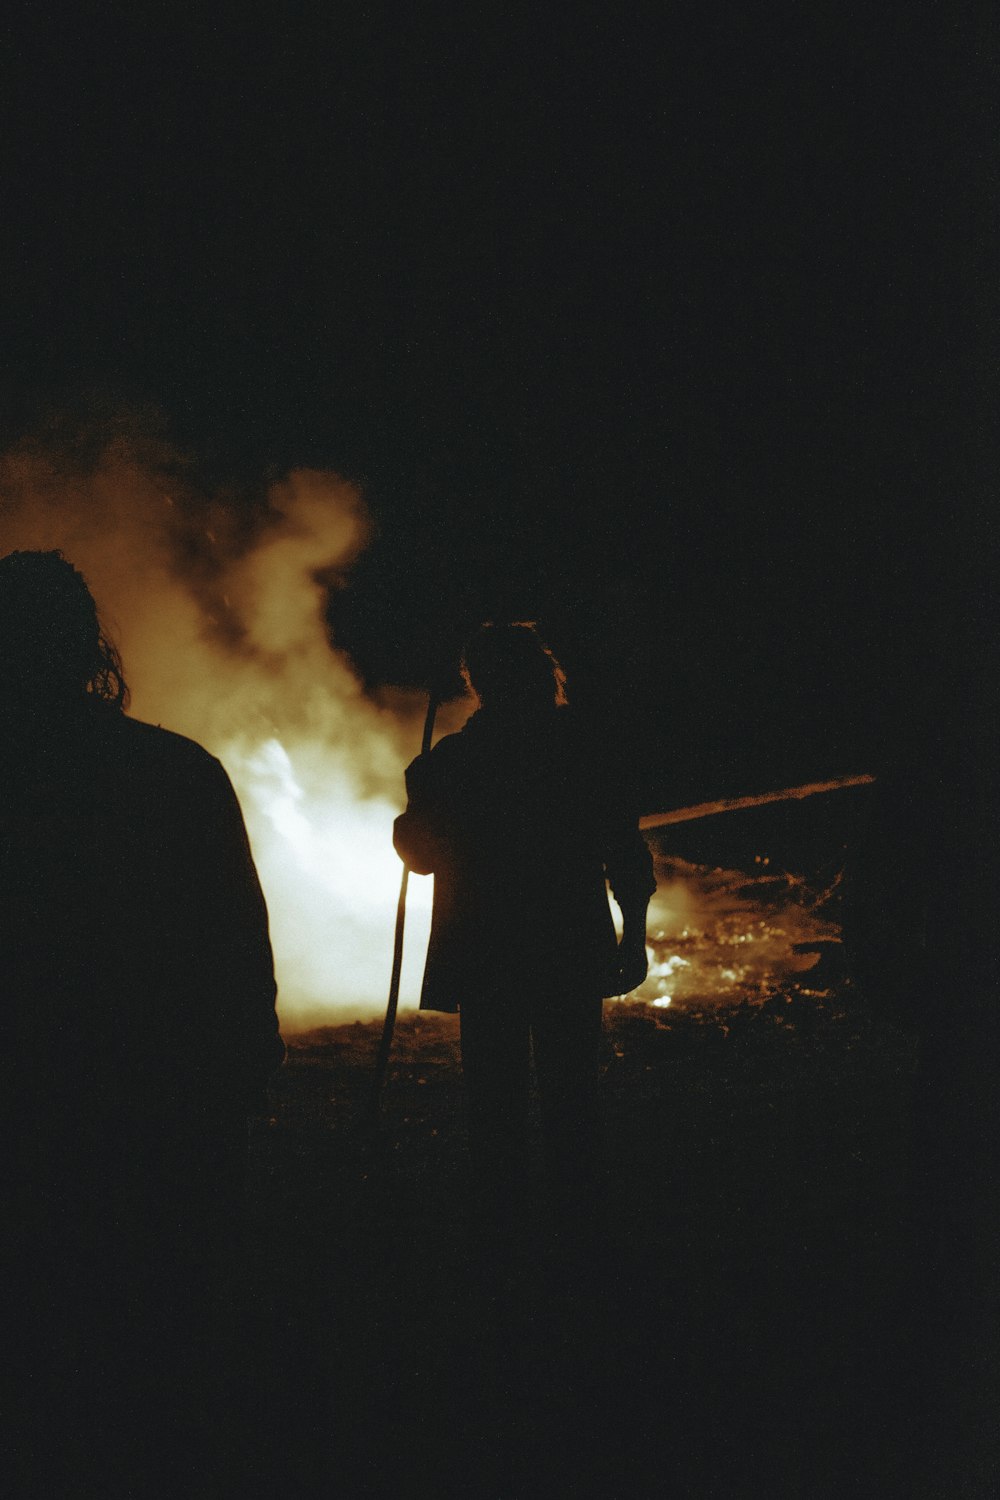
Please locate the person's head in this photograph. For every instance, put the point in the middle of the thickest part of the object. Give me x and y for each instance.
(510, 668)
(52, 649)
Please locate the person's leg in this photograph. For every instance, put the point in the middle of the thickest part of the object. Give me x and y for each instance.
(574, 1349)
(495, 1065)
(566, 1038)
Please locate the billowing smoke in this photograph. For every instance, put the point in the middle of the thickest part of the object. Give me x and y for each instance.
(218, 610)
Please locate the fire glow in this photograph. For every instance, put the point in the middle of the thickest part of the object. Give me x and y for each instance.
(723, 935)
(218, 611)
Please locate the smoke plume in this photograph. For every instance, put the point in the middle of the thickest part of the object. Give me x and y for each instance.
(217, 606)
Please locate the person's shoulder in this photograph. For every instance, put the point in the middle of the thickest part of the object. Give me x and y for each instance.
(450, 751)
(153, 739)
(602, 758)
(572, 723)
(152, 746)
(452, 746)
(578, 735)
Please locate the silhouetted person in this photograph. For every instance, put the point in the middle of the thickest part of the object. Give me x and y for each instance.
(521, 823)
(138, 1030)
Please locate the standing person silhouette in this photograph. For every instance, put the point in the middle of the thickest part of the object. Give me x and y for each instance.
(138, 1031)
(520, 821)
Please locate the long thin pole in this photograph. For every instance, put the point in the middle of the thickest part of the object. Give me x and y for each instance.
(389, 1026)
(760, 799)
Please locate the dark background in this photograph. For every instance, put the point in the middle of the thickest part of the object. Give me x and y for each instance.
(675, 329)
(669, 328)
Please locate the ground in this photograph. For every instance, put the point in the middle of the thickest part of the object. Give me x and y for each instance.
(736, 1327)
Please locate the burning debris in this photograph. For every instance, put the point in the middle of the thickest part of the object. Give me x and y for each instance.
(717, 934)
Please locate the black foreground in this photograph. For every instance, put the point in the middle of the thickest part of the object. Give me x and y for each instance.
(743, 1316)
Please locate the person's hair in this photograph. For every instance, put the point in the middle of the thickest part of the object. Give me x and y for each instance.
(510, 665)
(50, 635)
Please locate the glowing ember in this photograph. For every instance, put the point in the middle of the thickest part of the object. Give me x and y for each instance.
(724, 934)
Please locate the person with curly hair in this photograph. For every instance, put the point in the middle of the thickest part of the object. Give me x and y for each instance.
(137, 1031)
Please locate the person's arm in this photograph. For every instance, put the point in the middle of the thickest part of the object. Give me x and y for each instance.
(417, 833)
(629, 868)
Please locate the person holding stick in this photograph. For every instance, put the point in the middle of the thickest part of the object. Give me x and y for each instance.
(521, 823)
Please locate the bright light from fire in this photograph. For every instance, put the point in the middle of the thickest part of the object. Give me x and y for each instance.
(331, 876)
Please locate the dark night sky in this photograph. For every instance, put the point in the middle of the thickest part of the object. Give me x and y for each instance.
(668, 328)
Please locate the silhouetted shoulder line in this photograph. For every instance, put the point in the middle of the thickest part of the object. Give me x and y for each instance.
(159, 743)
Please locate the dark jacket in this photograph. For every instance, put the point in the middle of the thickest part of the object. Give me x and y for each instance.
(522, 823)
(134, 949)
(137, 1024)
